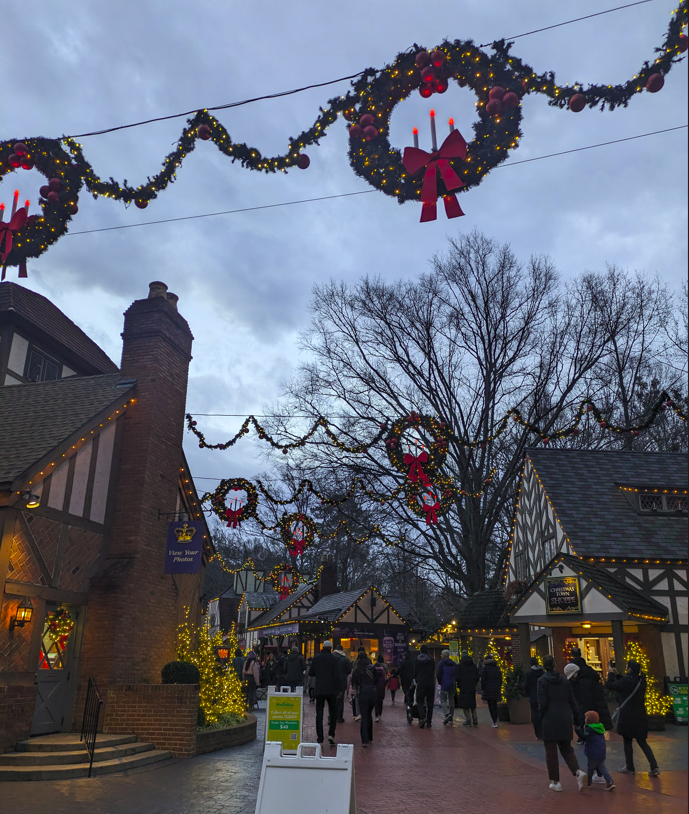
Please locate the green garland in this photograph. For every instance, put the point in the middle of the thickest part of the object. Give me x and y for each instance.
(375, 93)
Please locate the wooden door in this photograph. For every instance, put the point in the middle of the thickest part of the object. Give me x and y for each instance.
(54, 673)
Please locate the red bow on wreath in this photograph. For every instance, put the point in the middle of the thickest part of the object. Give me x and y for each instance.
(232, 516)
(415, 159)
(431, 516)
(297, 546)
(6, 239)
(415, 469)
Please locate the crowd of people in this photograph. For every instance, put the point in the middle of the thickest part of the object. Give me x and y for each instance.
(562, 704)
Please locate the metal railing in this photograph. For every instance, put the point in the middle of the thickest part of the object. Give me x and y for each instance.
(89, 726)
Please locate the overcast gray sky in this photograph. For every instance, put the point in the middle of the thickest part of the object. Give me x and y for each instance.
(244, 280)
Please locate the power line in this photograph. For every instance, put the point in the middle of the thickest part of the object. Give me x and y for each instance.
(217, 107)
(362, 192)
(280, 94)
(568, 22)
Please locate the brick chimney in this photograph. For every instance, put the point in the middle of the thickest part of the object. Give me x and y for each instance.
(132, 616)
(327, 582)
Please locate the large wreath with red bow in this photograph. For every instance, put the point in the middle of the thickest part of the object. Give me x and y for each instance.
(422, 456)
(298, 532)
(460, 165)
(431, 500)
(238, 510)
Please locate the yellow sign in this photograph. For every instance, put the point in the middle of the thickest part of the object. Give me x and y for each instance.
(283, 720)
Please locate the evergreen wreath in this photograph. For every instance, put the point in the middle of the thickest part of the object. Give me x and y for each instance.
(433, 500)
(418, 465)
(294, 544)
(233, 515)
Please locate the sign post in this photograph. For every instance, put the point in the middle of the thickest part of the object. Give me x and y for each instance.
(679, 696)
(562, 596)
(284, 717)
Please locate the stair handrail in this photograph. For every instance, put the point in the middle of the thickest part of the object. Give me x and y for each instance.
(89, 724)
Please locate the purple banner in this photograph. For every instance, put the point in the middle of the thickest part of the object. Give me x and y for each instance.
(184, 548)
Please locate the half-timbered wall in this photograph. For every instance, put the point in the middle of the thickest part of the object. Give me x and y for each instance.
(363, 612)
(538, 535)
(666, 584)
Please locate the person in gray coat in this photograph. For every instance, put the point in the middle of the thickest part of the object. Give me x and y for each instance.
(558, 708)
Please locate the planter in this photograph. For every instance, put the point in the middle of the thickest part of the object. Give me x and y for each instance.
(503, 712)
(214, 739)
(656, 723)
(519, 710)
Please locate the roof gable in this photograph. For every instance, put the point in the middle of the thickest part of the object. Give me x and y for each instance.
(282, 606)
(599, 521)
(36, 418)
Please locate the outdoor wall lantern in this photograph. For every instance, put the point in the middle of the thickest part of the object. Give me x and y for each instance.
(23, 614)
(32, 501)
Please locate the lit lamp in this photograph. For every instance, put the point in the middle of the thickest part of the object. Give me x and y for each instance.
(587, 625)
(23, 614)
(32, 501)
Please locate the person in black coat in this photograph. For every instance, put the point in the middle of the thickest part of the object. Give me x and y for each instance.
(559, 710)
(324, 669)
(491, 686)
(632, 723)
(295, 667)
(531, 692)
(467, 679)
(344, 668)
(590, 696)
(405, 672)
(424, 675)
(364, 682)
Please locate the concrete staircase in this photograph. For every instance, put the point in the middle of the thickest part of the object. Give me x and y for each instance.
(59, 757)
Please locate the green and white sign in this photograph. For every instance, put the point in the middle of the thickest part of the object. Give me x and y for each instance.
(678, 693)
(454, 650)
(284, 719)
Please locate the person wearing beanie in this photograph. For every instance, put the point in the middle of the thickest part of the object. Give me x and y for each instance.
(558, 708)
(530, 690)
(364, 682)
(491, 687)
(592, 734)
(467, 678)
(424, 675)
(632, 722)
(295, 666)
(447, 678)
(251, 674)
(324, 668)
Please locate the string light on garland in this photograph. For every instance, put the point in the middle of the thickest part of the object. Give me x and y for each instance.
(368, 106)
(503, 664)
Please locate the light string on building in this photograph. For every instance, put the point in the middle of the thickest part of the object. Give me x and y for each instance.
(500, 82)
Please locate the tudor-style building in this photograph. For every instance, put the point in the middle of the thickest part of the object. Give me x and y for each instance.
(599, 542)
(91, 468)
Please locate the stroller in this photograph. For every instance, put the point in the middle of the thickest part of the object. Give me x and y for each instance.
(410, 703)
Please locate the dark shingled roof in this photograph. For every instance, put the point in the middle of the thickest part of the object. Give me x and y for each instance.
(257, 599)
(584, 489)
(35, 418)
(627, 598)
(280, 607)
(331, 606)
(47, 319)
(485, 609)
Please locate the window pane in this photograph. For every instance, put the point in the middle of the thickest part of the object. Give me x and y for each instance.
(51, 371)
(651, 503)
(35, 369)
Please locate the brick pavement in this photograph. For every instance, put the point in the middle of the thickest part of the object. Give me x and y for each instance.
(405, 769)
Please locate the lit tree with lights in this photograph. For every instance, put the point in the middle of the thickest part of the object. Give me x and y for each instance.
(656, 703)
(220, 691)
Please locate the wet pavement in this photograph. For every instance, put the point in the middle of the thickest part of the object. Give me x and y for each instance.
(405, 769)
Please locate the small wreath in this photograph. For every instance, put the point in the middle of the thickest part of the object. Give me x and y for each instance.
(60, 625)
(497, 130)
(29, 236)
(419, 463)
(298, 532)
(236, 512)
(285, 579)
(431, 501)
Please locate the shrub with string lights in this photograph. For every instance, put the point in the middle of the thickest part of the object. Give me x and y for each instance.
(503, 664)
(656, 702)
(220, 691)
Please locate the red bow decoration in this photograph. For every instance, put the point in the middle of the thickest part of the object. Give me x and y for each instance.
(431, 516)
(297, 546)
(415, 159)
(233, 516)
(6, 239)
(415, 469)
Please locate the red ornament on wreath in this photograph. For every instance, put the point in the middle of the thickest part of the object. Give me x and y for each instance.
(203, 131)
(683, 43)
(303, 161)
(577, 103)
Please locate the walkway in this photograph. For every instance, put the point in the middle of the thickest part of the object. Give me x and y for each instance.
(406, 769)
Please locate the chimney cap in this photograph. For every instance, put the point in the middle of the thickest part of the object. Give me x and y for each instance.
(157, 289)
(172, 299)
